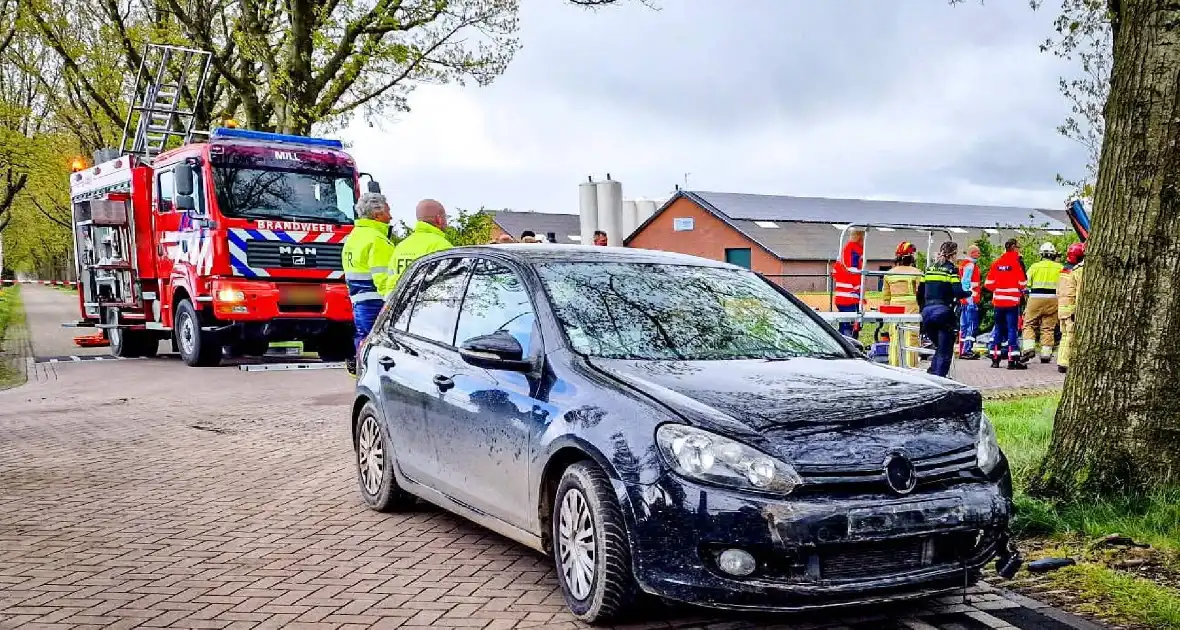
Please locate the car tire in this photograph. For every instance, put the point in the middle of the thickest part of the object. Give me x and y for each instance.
(374, 465)
(585, 506)
(198, 348)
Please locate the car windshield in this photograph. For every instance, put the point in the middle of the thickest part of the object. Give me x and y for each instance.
(679, 312)
(263, 193)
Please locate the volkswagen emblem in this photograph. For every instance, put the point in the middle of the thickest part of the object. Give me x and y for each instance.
(900, 474)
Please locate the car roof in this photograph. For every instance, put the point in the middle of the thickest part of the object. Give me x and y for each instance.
(547, 252)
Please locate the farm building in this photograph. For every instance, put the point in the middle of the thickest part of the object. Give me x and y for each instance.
(795, 239)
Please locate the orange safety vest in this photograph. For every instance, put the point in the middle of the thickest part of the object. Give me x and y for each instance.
(975, 275)
(846, 279)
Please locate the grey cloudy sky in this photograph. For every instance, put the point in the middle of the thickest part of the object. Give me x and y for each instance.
(890, 99)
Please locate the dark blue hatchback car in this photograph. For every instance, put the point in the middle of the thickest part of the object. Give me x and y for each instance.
(676, 426)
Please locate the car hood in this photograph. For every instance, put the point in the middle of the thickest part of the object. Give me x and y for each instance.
(813, 410)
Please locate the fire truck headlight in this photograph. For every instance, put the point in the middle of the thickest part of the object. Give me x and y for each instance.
(231, 295)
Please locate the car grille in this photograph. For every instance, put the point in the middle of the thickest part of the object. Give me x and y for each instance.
(880, 559)
(945, 467)
(886, 558)
(276, 254)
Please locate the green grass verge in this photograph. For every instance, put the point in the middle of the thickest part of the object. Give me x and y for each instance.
(11, 315)
(1118, 596)
(1024, 427)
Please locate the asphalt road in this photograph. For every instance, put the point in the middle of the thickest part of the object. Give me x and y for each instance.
(146, 493)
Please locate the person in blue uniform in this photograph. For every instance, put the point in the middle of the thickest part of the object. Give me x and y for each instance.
(938, 294)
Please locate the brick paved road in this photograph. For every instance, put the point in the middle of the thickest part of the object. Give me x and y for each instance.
(144, 493)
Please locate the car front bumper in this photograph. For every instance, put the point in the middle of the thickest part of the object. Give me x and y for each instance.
(813, 551)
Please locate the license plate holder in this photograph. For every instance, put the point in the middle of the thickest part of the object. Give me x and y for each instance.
(905, 518)
(301, 295)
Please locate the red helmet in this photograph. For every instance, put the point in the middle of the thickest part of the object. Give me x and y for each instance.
(1075, 253)
(905, 248)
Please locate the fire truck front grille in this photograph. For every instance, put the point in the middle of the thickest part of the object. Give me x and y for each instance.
(275, 255)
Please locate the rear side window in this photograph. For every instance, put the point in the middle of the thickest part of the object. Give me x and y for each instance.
(401, 310)
(437, 305)
(496, 301)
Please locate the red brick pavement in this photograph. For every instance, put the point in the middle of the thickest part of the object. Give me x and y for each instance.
(979, 373)
(144, 493)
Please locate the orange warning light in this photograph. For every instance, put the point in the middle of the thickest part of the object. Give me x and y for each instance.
(77, 164)
(231, 123)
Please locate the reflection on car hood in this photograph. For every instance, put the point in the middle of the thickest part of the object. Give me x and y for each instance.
(809, 407)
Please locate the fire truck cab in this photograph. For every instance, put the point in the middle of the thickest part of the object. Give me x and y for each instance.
(222, 246)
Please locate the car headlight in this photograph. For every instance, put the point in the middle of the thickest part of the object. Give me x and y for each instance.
(708, 457)
(987, 449)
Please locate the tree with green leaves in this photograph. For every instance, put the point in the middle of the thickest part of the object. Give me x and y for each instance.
(285, 65)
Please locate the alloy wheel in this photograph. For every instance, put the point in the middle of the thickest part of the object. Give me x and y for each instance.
(370, 455)
(576, 543)
(188, 335)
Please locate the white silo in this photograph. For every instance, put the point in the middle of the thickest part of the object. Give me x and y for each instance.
(610, 211)
(645, 209)
(630, 218)
(588, 209)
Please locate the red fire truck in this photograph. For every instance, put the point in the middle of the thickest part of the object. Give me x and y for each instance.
(222, 246)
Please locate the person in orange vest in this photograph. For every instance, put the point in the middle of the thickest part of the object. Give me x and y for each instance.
(1006, 282)
(846, 280)
(969, 317)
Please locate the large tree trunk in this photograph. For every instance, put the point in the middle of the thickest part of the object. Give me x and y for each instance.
(1118, 426)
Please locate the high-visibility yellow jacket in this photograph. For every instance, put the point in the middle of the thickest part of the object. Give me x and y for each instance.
(901, 287)
(425, 239)
(1042, 277)
(366, 261)
(1067, 291)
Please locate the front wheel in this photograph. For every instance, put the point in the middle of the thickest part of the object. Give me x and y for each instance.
(198, 348)
(590, 546)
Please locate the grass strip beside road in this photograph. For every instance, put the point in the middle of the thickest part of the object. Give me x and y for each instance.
(1128, 585)
(12, 319)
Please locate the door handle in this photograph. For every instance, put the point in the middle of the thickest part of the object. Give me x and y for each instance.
(387, 362)
(443, 382)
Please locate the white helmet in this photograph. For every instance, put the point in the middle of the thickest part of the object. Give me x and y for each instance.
(1048, 249)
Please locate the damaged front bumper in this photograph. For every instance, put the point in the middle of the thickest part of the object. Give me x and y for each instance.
(814, 550)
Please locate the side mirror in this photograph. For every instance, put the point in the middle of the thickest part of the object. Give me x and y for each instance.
(860, 347)
(183, 179)
(497, 351)
(373, 186)
(185, 203)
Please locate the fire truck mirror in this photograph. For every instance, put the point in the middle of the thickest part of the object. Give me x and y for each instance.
(185, 203)
(184, 180)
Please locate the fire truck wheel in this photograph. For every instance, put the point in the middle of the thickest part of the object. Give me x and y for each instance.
(122, 344)
(374, 464)
(198, 348)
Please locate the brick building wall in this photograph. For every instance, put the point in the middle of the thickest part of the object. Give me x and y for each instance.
(709, 237)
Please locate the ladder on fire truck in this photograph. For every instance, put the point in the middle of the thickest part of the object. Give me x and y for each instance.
(165, 94)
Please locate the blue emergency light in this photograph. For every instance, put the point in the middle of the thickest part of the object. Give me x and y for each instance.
(226, 133)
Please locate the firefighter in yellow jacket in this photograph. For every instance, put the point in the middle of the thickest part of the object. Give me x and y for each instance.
(1068, 287)
(901, 289)
(1040, 314)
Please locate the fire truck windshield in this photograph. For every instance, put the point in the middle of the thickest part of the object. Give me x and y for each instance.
(269, 193)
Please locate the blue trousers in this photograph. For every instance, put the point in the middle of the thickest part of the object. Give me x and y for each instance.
(1007, 331)
(940, 325)
(363, 316)
(968, 326)
(846, 328)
